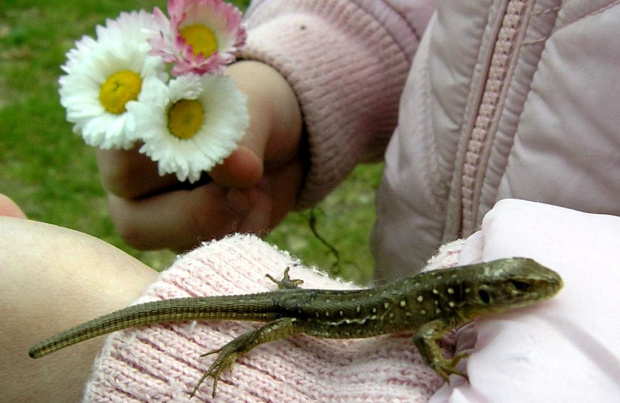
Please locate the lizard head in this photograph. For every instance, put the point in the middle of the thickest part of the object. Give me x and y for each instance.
(505, 284)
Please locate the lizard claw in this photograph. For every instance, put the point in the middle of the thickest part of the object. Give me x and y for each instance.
(225, 359)
(286, 283)
(228, 354)
(445, 367)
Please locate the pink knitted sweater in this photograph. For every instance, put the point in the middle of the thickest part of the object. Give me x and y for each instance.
(347, 62)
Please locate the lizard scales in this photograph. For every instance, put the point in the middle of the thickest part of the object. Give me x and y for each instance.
(428, 303)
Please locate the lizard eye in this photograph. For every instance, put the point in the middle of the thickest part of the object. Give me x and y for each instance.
(520, 285)
(484, 295)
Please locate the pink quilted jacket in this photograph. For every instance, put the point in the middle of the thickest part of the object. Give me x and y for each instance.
(498, 99)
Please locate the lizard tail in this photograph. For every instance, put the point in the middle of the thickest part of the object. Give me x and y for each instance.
(257, 307)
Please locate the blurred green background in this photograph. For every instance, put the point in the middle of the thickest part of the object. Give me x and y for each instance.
(53, 176)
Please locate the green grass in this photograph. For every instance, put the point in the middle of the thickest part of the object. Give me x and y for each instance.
(53, 175)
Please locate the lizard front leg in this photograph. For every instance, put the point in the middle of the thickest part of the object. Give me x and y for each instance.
(286, 283)
(425, 340)
(227, 355)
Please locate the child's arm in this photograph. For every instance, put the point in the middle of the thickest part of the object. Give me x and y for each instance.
(51, 278)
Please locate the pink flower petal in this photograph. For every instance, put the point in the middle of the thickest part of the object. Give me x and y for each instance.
(222, 18)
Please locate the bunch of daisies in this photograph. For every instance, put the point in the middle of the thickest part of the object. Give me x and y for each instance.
(157, 81)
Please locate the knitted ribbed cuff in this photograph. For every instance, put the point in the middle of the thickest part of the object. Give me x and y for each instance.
(162, 363)
(347, 64)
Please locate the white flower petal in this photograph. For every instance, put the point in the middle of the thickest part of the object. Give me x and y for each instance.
(225, 122)
(187, 88)
(120, 45)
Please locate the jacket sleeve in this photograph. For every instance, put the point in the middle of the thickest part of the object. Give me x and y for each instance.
(347, 61)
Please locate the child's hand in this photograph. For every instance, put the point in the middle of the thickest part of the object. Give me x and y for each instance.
(251, 191)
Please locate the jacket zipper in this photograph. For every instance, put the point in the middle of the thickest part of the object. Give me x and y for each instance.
(504, 55)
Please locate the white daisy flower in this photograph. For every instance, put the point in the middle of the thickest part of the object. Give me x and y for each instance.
(104, 75)
(191, 124)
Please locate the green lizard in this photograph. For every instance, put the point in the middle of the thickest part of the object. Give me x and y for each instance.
(428, 303)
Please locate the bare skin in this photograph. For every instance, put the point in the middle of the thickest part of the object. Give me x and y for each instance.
(8, 208)
(251, 191)
(44, 267)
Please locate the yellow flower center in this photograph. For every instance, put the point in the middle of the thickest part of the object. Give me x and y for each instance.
(118, 89)
(185, 118)
(201, 38)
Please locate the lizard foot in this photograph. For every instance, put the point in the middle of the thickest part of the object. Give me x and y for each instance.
(286, 283)
(426, 341)
(227, 356)
(447, 366)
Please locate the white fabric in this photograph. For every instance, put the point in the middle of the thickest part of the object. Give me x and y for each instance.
(563, 350)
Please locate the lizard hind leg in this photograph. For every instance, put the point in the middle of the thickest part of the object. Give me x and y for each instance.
(228, 354)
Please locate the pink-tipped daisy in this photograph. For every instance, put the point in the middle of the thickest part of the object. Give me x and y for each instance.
(201, 36)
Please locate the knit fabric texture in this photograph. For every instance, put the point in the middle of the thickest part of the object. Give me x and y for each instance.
(163, 363)
(347, 63)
